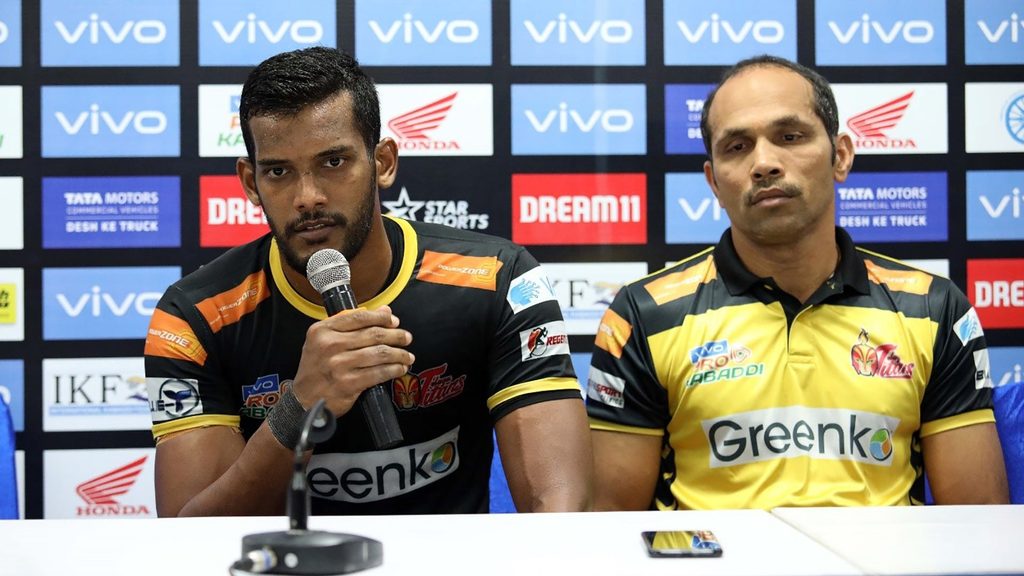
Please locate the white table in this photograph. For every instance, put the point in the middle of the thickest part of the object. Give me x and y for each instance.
(593, 544)
(919, 540)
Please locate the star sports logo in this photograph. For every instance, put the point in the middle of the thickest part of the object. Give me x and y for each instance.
(100, 493)
(872, 126)
(452, 213)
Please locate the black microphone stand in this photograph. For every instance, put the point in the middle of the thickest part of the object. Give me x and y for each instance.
(302, 551)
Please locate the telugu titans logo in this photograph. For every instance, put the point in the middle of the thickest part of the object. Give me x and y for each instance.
(881, 361)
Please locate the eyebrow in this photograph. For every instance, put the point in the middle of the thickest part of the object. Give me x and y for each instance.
(787, 121)
(339, 150)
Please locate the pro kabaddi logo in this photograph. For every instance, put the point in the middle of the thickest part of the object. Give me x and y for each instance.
(872, 126)
(881, 361)
(718, 360)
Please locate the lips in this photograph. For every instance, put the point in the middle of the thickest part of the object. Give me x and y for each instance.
(313, 229)
(769, 194)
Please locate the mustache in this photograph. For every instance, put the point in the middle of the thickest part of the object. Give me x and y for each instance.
(789, 190)
(306, 219)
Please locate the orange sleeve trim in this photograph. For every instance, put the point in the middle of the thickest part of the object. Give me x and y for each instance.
(172, 337)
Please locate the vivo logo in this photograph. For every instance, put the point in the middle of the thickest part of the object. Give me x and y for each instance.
(1012, 376)
(762, 31)
(614, 120)
(456, 31)
(565, 29)
(912, 31)
(702, 208)
(4, 32)
(299, 31)
(143, 121)
(1011, 201)
(97, 302)
(143, 31)
(1013, 26)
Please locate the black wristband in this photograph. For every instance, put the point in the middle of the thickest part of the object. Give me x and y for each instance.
(285, 420)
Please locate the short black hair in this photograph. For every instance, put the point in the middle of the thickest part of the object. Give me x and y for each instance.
(824, 101)
(287, 83)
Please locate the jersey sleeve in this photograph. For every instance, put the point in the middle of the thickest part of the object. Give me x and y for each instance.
(959, 392)
(183, 372)
(623, 392)
(529, 356)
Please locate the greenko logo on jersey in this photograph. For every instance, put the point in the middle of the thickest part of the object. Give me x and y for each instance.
(795, 431)
(717, 360)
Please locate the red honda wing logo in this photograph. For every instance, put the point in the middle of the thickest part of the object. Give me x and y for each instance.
(103, 489)
(415, 124)
(874, 122)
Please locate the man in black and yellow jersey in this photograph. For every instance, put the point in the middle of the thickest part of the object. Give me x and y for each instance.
(784, 366)
(462, 327)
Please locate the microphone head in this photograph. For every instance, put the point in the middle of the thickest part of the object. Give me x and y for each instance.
(328, 268)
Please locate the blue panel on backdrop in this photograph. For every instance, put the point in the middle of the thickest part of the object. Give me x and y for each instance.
(874, 32)
(692, 213)
(246, 32)
(579, 119)
(683, 106)
(10, 33)
(994, 32)
(893, 206)
(109, 33)
(995, 205)
(12, 389)
(592, 33)
(423, 33)
(698, 32)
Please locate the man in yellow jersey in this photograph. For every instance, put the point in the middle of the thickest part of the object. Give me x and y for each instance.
(784, 366)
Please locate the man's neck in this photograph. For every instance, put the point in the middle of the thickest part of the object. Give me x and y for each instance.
(798, 268)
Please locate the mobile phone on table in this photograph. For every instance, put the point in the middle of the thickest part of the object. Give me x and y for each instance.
(681, 544)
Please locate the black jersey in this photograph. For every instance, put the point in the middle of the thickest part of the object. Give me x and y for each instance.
(488, 338)
(762, 402)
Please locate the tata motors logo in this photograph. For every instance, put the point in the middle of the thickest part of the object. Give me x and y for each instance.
(994, 116)
(585, 290)
(109, 33)
(993, 32)
(579, 208)
(598, 33)
(438, 119)
(683, 106)
(226, 216)
(102, 303)
(411, 33)
(873, 32)
(10, 122)
(878, 361)
(98, 121)
(692, 213)
(220, 131)
(579, 119)
(894, 118)
(112, 212)
(893, 206)
(995, 205)
(996, 289)
(373, 476)
(801, 431)
(708, 33)
(452, 213)
(246, 32)
(10, 33)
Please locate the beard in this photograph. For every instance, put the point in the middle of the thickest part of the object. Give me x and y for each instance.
(356, 230)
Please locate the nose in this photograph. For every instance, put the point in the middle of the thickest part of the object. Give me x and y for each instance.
(308, 194)
(767, 164)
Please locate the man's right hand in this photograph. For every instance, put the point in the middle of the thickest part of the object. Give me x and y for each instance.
(348, 353)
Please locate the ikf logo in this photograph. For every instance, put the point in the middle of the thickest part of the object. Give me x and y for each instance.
(598, 33)
(584, 290)
(996, 288)
(893, 206)
(994, 116)
(438, 119)
(112, 212)
(98, 483)
(683, 106)
(698, 32)
(692, 213)
(82, 394)
(12, 304)
(995, 205)
(109, 33)
(246, 32)
(10, 33)
(102, 303)
(10, 122)
(562, 209)
(99, 121)
(894, 118)
(220, 132)
(994, 32)
(12, 236)
(226, 217)
(597, 119)
(872, 32)
(12, 390)
(414, 33)
(1007, 365)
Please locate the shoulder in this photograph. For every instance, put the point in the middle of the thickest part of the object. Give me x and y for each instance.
(226, 271)
(438, 237)
(899, 276)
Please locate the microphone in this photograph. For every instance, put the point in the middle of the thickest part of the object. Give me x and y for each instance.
(302, 551)
(328, 271)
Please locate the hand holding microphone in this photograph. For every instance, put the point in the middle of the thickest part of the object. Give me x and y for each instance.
(368, 356)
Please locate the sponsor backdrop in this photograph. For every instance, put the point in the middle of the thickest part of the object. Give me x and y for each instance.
(569, 126)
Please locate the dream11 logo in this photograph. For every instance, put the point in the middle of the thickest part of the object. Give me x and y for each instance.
(996, 288)
(698, 32)
(109, 33)
(245, 32)
(411, 33)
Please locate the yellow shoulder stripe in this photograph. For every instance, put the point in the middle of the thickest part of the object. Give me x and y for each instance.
(543, 385)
